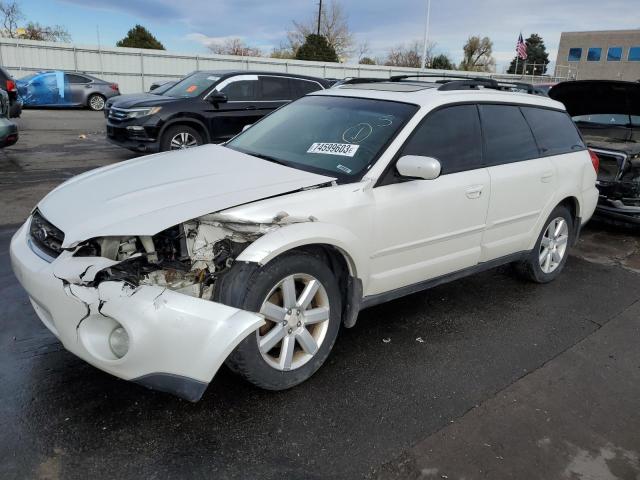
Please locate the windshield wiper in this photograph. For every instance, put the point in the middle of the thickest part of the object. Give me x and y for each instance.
(268, 158)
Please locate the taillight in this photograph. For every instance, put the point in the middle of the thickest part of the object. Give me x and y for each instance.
(11, 86)
(595, 160)
(114, 86)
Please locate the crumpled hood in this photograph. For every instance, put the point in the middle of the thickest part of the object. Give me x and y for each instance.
(592, 97)
(130, 98)
(138, 100)
(146, 195)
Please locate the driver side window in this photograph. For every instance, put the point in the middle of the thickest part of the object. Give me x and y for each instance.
(241, 91)
(452, 136)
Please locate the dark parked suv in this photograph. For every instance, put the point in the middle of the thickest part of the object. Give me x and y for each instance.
(203, 107)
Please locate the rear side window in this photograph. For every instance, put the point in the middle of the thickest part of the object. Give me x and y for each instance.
(451, 135)
(507, 135)
(76, 78)
(275, 88)
(299, 88)
(555, 132)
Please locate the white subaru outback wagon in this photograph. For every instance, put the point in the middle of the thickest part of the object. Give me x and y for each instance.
(158, 270)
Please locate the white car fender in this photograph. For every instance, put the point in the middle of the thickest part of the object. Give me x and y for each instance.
(269, 246)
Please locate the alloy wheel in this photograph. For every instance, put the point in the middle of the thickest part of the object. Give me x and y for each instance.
(553, 246)
(297, 314)
(96, 102)
(183, 140)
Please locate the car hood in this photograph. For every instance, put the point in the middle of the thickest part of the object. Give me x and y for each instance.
(147, 195)
(141, 100)
(592, 97)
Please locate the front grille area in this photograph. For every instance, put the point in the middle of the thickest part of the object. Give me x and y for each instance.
(45, 236)
(117, 114)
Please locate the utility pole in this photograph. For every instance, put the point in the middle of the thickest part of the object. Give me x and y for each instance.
(426, 35)
(319, 15)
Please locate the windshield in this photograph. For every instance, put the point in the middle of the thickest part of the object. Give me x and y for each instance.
(615, 119)
(162, 89)
(192, 86)
(335, 136)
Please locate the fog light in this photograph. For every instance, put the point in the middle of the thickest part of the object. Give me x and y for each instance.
(119, 342)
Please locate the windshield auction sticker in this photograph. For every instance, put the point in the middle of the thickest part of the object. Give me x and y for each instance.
(343, 149)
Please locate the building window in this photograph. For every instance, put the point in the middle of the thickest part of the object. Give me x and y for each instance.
(593, 55)
(614, 54)
(575, 54)
(634, 54)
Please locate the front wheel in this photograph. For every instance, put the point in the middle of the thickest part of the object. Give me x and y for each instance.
(180, 137)
(548, 257)
(299, 298)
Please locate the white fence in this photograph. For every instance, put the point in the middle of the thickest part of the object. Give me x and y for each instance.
(136, 69)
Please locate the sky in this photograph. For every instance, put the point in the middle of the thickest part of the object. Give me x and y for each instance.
(186, 26)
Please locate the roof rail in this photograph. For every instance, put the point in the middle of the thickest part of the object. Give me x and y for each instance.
(475, 83)
(356, 80)
(444, 76)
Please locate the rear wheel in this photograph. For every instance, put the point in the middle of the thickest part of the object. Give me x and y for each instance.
(179, 137)
(299, 298)
(547, 259)
(96, 102)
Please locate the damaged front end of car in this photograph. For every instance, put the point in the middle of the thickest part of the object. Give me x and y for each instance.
(141, 307)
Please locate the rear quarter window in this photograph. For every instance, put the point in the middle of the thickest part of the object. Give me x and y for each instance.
(554, 131)
(507, 135)
(299, 88)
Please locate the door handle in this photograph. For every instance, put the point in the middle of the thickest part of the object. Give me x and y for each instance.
(474, 191)
(251, 107)
(546, 177)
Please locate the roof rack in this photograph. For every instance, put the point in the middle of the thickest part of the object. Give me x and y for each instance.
(452, 82)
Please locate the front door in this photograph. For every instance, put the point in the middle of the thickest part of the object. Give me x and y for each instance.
(429, 228)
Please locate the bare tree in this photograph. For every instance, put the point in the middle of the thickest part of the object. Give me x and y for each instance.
(234, 46)
(334, 27)
(11, 14)
(477, 55)
(55, 33)
(409, 56)
(363, 50)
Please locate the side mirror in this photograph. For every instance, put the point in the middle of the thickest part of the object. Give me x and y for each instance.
(415, 166)
(217, 97)
(247, 127)
(153, 87)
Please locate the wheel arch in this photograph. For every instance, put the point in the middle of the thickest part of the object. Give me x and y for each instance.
(189, 121)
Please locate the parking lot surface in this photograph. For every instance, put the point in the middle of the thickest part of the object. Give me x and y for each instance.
(415, 390)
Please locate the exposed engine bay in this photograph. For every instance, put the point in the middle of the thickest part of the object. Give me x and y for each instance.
(186, 258)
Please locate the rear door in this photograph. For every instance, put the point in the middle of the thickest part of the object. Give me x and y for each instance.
(275, 91)
(522, 180)
(79, 87)
(301, 87)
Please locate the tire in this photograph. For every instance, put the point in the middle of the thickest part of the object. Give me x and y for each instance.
(545, 263)
(178, 137)
(96, 102)
(250, 290)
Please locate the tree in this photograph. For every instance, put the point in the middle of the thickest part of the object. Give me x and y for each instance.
(367, 61)
(35, 31)
(409, 56)
(442, 62)
(11, 15)
(477, 55)
(316, 48)
(537, 57)
(140, 37)
(234, 46)
(334, 27)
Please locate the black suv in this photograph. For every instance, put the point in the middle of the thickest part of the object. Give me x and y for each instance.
(203, 107)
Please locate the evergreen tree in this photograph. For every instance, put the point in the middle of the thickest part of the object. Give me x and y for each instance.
(537, 57)
(316, 48)
(140, 37)
(441, 62)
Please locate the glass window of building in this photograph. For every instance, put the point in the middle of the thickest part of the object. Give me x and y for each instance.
(634, 54)
(594, 54)
(614, 54)
(575, 54)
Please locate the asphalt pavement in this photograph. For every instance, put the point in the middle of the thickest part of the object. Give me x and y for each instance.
(415, 390)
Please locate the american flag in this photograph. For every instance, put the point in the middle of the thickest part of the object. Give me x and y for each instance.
(521, 48)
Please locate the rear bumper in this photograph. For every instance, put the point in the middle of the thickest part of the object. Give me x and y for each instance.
(176, 342)
(623, 214)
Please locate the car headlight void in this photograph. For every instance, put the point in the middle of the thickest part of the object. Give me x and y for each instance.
(119, 342)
